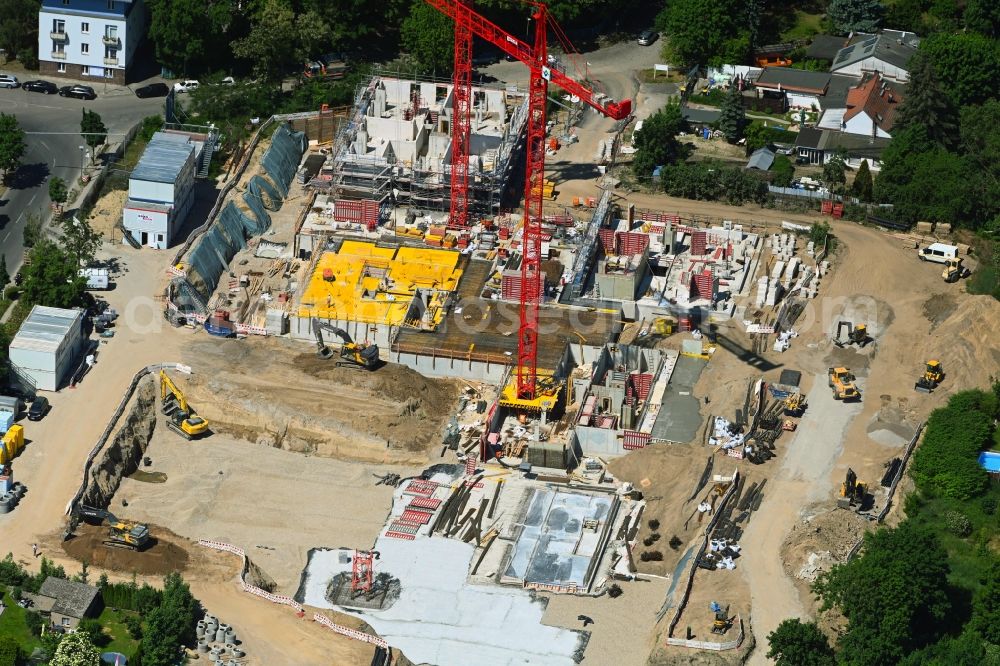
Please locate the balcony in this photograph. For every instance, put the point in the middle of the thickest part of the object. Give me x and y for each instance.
(111, 40)
(58, 55)
(111, 61)
(58, 36)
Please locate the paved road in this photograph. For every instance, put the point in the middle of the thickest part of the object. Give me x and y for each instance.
(55, 154)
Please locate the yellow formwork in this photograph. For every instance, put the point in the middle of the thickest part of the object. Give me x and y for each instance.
(547, 390)
(375, 285)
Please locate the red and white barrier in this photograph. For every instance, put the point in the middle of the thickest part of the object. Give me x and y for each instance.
(350, 633)
(247, 329)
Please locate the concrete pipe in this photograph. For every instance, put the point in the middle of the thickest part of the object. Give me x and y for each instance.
(4, 506)
(230, 647)
(215, 653)
(199, 630)
(238, 653)
(211, 619)
(232, 662)
(220, 636)
(210, 627)
(203, 646)
(230, 636)
(18, 489)
(224, 627)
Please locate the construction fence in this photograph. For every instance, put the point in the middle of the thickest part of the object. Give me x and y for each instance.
(707, 645)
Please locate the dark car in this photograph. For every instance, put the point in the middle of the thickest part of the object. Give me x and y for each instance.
(39, 407)
(46, 87)
(80, 92)
(647, 37)
(152, 90)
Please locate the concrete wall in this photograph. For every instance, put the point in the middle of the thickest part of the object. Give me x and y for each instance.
(449, 368)
(597, 442)
(300, 328)
(862, 124)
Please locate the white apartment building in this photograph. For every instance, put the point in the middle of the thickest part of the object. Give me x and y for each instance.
(90, 39)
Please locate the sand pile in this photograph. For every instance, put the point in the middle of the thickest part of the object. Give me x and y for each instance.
(965, 343)
(163, 556)
(818, 541)
(107, 213)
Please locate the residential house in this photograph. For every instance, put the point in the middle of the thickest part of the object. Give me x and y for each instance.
(869, 109)
(825, 47)
(84, 39)
(817, 146)
(66, 602)
(887, 53)
(801, 89)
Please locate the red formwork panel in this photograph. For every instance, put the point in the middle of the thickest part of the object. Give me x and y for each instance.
(699, 243)
(361, 211)
(633, 440)
(631, 242)
(428, 503)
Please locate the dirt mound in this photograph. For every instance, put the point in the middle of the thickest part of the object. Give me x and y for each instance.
(819, 541)
(162, 557)
(395, 382)
(939, 307)
(965, 342)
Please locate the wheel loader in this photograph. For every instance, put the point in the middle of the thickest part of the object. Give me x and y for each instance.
(841, 381)
(933, 375)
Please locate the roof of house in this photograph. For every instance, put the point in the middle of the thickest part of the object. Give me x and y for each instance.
(890, 46)
(856, 145)
(45, 328)
(39, 603)
(825, 47)
(72, 598)
(700, 115)
(795, 80)
(761, 159)
(164, 157)
(876, 98)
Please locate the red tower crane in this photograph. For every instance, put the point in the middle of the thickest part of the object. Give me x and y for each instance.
(467, 24)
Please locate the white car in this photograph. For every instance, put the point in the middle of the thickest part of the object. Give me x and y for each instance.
(185, 86)
(228, 81)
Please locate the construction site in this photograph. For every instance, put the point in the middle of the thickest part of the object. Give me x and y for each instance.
(390, 402)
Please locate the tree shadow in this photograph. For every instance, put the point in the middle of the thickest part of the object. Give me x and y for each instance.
(28, 176)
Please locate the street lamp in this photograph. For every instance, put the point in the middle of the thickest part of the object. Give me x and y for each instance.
(83, 153)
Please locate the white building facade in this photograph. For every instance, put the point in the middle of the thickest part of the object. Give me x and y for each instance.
(161, 190)
(90, 39)
(47, 348)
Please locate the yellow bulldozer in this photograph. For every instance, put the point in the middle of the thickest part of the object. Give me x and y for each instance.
(933, 375)
(180, 416)
(841, 381)
(126, 534)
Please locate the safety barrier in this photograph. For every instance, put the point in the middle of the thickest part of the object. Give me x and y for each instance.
(899, 474)
(103, 439)
(288, 601)
(350, 633)
(247, 329)
(705, 645)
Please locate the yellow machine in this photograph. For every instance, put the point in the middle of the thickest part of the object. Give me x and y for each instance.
(856, 335)
(351, 352)
(180, 417)
(933, 375)
(852, 492)
(121, 533)
(12, 443)
(795, 404)
(954, 271)
(842, 382)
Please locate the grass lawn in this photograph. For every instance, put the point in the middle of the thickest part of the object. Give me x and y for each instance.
(12, 624)
(113, 625)
(806, 25)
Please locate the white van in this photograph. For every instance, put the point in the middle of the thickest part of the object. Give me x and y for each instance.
(938, 252)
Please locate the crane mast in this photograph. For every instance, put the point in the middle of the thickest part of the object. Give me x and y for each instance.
(535, 56)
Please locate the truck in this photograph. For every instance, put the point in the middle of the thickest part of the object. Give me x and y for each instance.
(940, 253)
(97, 278)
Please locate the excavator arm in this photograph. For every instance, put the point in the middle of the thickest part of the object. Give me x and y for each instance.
(167, 387)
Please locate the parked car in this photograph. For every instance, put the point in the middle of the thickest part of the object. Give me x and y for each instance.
(152, 90)
(8, 81)
(39, 408)
(46, 87)
(228, 81)
(80, 92)
(186, 86)
(647, 37)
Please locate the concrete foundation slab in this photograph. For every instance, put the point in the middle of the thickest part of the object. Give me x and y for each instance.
(680, 416)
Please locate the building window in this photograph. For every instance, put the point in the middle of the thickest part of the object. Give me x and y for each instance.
(85, 70)
(65, 622)
(57, 47)
(85, 28)
(84, 48)
(58, 25)
(111, 4)
(109, 73)
(61, 68)
(111, 54)
(111, 32)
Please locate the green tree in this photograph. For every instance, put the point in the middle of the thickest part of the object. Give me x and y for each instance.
(53, 279)
(855, 15)
(983, 16)
(12, 145)
(945, 463)
(170, 625)
(906, 15)
(32, 231)
(833, 172)
(58, 191)
(965, 649)
(656, 143)
(19, 26)
(76, 650)
(782, 171)
(187, 33)
(980, 145)
(80, 240)
(797, 643)
(429, 36)
(268, 47)
(863, 184)
(967, 64)
(731, 116)
(926, 104)
(11, 653)
(697, 30)
(895, 596)
(758, 135)
(986, 606)
(4, 273)
(92, 128)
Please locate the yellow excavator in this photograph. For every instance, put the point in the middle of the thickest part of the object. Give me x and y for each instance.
(842, 382)
(351, 353)
(180, 417)
(795, 404)
(853, 493)
(856, 335)
(933, 375)
(121, 533)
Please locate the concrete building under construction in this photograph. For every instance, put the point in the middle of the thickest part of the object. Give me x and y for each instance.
(396, 146)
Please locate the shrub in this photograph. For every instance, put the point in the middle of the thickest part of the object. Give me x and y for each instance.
(134, 626)
(34, 622)
(957, 523)
(651, 556)
(989, 505)
(654, 524)
(12, 292)
(648, 541)
(28, 58)
(675, 542)
(615, 591)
